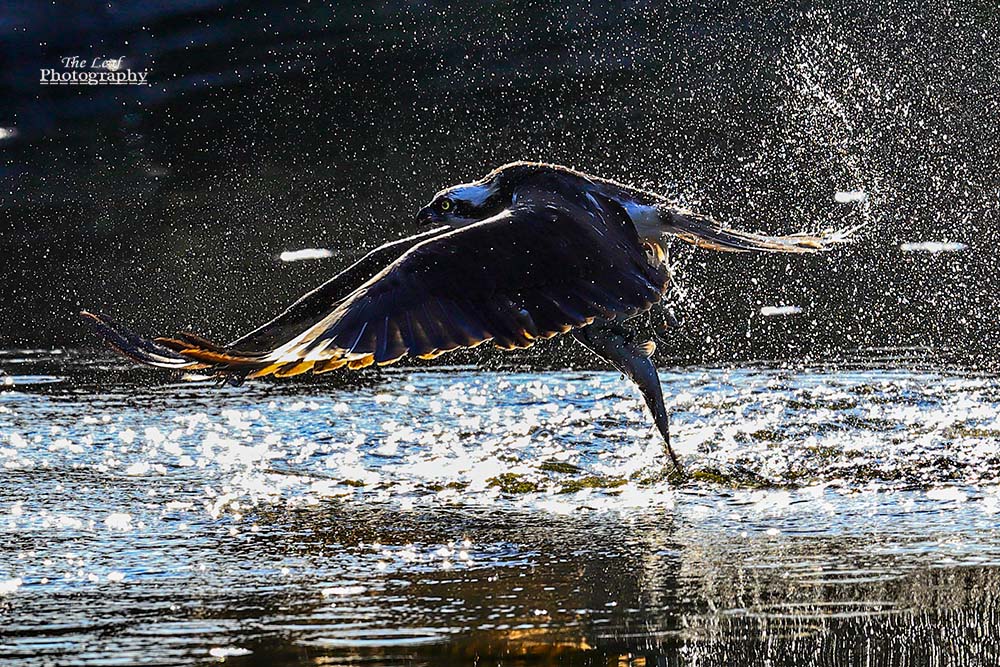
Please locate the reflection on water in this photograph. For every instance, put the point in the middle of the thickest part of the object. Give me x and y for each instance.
(444, 517)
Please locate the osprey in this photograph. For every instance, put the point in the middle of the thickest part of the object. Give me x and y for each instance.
(526, 253)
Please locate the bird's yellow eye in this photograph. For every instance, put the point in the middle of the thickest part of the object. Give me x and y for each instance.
(445, 204)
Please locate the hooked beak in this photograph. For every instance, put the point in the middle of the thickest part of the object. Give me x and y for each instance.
(427, 217)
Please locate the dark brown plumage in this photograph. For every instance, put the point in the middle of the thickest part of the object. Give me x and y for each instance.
(549, 264)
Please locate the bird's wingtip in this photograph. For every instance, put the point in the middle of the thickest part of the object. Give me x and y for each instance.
(844, 234)
(97, 319)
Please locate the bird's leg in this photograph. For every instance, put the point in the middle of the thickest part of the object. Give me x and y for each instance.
(663, 320)
(618, 345)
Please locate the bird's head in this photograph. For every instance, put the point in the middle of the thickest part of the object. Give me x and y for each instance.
(464, 204)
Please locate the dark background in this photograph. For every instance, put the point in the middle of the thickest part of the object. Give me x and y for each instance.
(277, 126)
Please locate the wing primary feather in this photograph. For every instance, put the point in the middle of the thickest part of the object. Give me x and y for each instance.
(382, 341)
(134, 346)
(436, 334)
(264, 372)
(418, 342)
(290, 370)
(199, 341)
(501, 334)
(395, 349)
(361, 362)
(327, 366)
(452, 317)
(357, 339)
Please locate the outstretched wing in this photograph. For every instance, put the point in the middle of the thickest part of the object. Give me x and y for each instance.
(306, 310)
(541, 268)
(135, 347)
(293, 320)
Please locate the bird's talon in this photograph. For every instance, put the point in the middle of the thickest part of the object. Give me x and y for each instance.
(677, 476)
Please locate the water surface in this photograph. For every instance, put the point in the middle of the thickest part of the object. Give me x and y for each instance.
(455, 515)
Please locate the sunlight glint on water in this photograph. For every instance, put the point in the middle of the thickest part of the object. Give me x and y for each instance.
(228, 517)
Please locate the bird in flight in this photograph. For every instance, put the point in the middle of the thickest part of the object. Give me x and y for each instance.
(528, 252)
